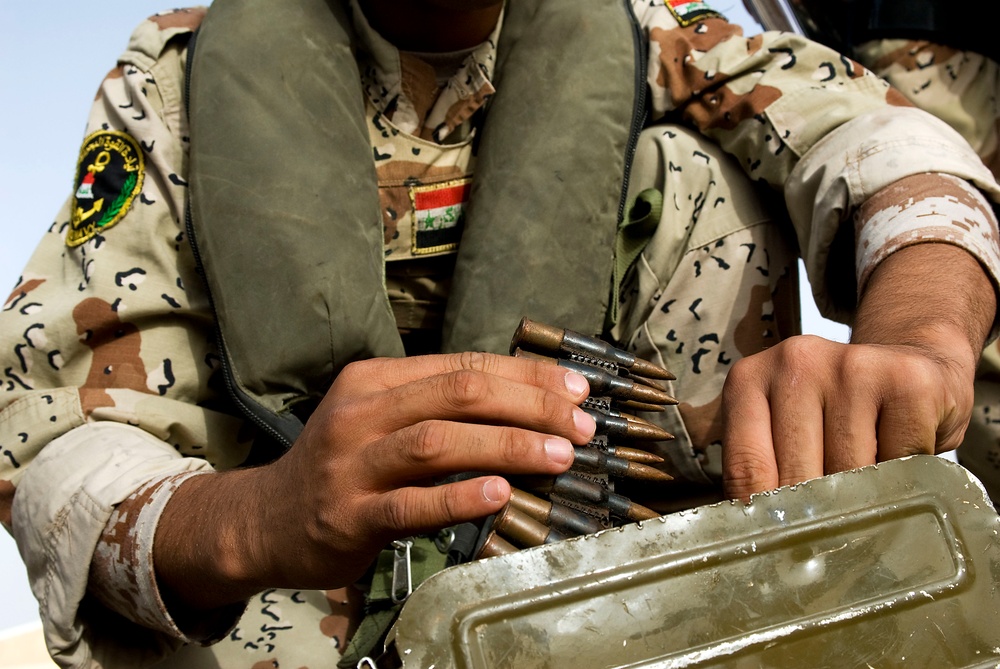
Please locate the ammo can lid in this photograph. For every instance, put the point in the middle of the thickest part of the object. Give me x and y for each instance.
(894, 565)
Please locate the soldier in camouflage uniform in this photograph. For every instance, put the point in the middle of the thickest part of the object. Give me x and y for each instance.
(115, 429)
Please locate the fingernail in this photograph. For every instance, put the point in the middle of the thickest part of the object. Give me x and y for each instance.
(559, 450)
(584, 422)
(576, 383)
(491, 490)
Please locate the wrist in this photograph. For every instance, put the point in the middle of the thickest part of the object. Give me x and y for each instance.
(933, 297)
(210, 548)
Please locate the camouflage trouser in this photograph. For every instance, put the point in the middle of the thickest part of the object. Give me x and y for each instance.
(280, 628)
(716, 282)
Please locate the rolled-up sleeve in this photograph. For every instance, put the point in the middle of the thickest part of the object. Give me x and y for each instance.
(859, 160)
(62, 505)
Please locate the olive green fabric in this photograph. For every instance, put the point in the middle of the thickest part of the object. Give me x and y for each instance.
(381, 612)
(541, 224)
(634, 232)
(284, 204)
(290, 240)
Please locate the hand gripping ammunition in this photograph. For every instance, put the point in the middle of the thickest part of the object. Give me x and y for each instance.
(583, 500)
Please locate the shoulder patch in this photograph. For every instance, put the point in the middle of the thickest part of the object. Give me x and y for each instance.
(109, 176)
(691, 11)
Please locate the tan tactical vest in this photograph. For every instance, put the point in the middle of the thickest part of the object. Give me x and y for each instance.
(284, 211)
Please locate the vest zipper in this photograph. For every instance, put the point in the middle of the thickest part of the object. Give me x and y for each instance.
(638, 105)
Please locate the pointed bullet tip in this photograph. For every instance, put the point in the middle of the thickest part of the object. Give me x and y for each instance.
(644, 393)
(637, 455)
(648, 432)
(645, 368)
(640, 512)
(646, 473)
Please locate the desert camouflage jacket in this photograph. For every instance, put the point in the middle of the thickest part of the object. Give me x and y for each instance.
(959, 87)
(110, 375)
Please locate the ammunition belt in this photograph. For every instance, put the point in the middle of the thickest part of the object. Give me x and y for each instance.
(542, 509)
(545, 509)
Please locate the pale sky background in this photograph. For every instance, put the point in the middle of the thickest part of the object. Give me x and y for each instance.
(54, 55)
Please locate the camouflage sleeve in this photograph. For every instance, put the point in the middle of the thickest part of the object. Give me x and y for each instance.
(122, 575)
(766, 99)
(958, 87)
(109, 326)
(819, 126)
(64, 504)
(926, 178)
(949, 209)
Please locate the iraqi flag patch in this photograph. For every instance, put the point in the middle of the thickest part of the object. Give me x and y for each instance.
(108, 178)
(691, 11)
(438, 215)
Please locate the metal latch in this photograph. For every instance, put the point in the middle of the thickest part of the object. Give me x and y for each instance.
(402, 578)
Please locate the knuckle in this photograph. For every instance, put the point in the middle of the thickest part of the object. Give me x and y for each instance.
(448, 504)
(800, 352)
(477, 361)
(396, 512)
(746, 467)
(554, 411)
(412, 510)
(739, 376)
(356, 372)
(542, 374)
(465, 388)
(425, 445)
(915, 381)
(747, 472)
(745, 378)
(920, 372)
(795, 472)
(512, 447)
(855, 363)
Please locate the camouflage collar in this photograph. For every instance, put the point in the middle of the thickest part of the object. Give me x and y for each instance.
(405, 89)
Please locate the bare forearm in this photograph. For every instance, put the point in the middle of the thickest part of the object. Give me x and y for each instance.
(928, 295)
(209, 549)
(913, 289)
